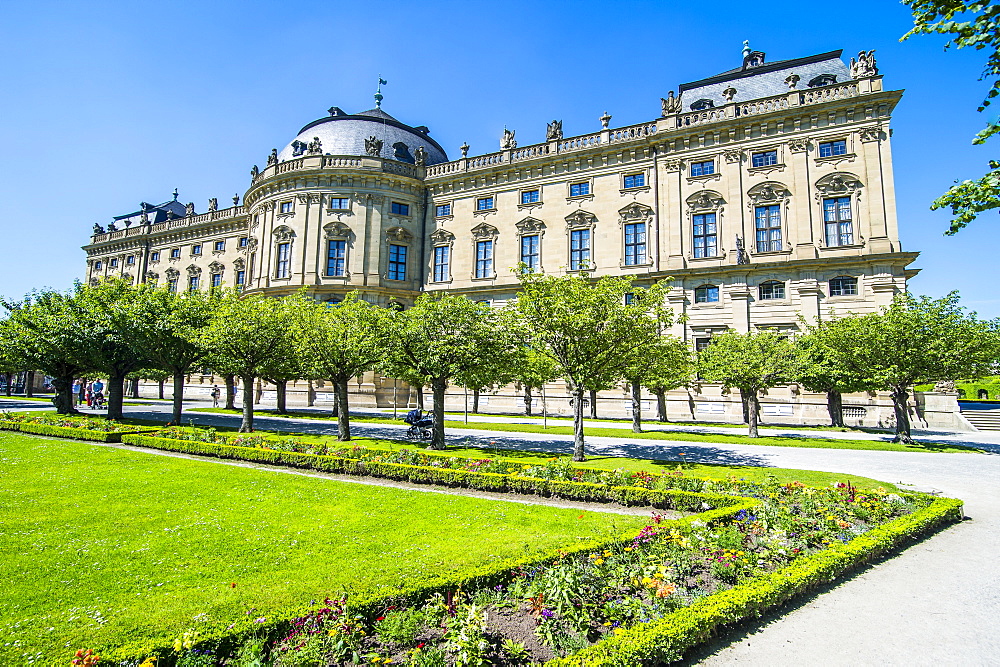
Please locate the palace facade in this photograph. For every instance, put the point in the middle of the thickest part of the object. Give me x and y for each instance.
(765, 193)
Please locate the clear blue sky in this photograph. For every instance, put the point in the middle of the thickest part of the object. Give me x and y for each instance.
(105, 105)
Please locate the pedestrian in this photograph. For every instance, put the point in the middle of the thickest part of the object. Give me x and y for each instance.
(81, 391)
(215, 396)
(90, 394)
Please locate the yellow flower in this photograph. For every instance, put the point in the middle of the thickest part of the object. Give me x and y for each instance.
(606, 553)
(618, 631)
(598, 561)
(647, 581)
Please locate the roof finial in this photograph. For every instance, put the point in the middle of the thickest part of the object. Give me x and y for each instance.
(746, 48)
(378, 92)
(175, 194)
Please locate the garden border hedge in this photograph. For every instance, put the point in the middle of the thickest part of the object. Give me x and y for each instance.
(66, 431)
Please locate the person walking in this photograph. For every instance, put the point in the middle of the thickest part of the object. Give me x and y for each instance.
(215, 396)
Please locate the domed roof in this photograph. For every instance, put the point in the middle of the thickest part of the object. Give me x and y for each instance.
(345, 134)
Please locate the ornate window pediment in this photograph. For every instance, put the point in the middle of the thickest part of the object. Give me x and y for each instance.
(336, 230)
(485, 231)
(706, 200)
(442, 236)
(530, 226)
(769, 192)
(152, 276)
(193, 270)
(216, 267)
(283, 233)
(398, 234)
(239, 264)
(634, 212)
(840, 183)
(580, 219)
(172, 273)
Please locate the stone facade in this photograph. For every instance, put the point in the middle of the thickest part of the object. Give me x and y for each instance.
(765, 194)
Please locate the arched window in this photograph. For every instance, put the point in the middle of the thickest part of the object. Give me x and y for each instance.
(772, 289)
(706, 294)
(843, 286)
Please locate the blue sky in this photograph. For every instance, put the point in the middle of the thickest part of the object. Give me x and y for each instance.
(105, 105)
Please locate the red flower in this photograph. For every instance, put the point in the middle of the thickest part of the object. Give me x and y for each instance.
(420, 645)
(380, 618)
(232, 585)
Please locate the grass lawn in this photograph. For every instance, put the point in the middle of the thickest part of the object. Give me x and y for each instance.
(102, 547)
(681, 436)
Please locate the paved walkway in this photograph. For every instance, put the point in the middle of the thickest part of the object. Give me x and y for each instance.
(936, 603)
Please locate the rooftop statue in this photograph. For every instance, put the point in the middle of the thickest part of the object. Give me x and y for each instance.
(554, 131)
(420, 156)
(189, 209)
(98, 229)
(273, 157)
(670, 104)
(373, 146)
(315, 147)
(213, 204)
(864, 65)
(507, 141)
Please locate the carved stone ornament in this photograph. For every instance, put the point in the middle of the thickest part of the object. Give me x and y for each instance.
(672, 164)
(442, 236)
(213, 204)
(98, 229)
(605, 120)
(553, 131)
(705, 200)
(530, 225)
(670, 105)
(945, 386)
(840, 183)
(507, 141)
(194, 270)
(729, 93)
(464, 148)
(420, 156)
(373, 146)
(283, 233)
(251, 244)
(398, 234)
(792, 80)
(94, 282)
(634, 212)
(172, 273)
(315, 147)
(272, 158)
(127, 277)
(298, 148)
(580, 220)
(873, 133)
(336, 230)
(236, 200)
(484, 231)
(189, 210)
(741, 251)
(768, 193)
(310, 198)
(152, 276)
(733, 156)
(798, 145)
(864, 65)
(216, 267)
(254, 173)
(239, 264)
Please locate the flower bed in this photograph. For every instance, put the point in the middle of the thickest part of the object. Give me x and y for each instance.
(81, 427)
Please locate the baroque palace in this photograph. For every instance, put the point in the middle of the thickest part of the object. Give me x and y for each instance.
(765, 192)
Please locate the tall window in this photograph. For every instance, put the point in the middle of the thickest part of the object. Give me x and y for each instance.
(172, 284)
(284, 265)
(764, 158)
(772, 289)
(837, 219)
(530, 251)
(216, 280)
(442, 261)
(831, 148)
(484, 204)
(193, 282)
(768, 228)
(336, 258)
(529, 196)
(703, 168)
(397, 262)
(706, 294)
(843, 286)
(634, 181)
(484, 259)
(442, 210)
(400, 209)
(579, 189)
(706, 238)
(635, 244)
(241, 279)
(579, 249)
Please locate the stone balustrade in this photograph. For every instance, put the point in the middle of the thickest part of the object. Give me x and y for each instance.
(166, 225)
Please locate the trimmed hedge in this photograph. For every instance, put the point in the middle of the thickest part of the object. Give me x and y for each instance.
(64, 431)
(480, 481)
(665, 640)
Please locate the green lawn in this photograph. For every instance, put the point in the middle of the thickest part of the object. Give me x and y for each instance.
(102, 547)
(678, 436)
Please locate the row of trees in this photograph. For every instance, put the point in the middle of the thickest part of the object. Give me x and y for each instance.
(592, 334)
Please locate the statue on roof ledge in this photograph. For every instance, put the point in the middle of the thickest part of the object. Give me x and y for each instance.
(373, 146)
(98, 229)
(189, 209)
(670, 105)
(507, 141)
(273, 157)
(420, 156)
(111, 227)
(213, 204)
(553, 131)
(315, 147)
(864, 65)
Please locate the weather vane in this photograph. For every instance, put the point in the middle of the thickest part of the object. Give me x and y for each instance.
(378, 92)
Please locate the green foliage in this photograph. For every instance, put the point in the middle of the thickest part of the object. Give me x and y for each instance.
(976, 24)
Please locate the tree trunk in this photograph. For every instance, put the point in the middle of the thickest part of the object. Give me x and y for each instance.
(579, 453)
(335, 410)
(593, 404)
(178, 397)
(116, 396)
(835, 406)
(420, 396)
(899, 398)
(10, 382)
(661, 405)
(247, 425)
(135, 388)
(475, 401)
(29, 384)
(281, 391)
(753, 411)
(311, 395)
(746, 407)
(230, 392)
(438, 386)
(159, 388)
(343, 410)
(64, 395)
(260, 391)
(527, 400)
(636, 407)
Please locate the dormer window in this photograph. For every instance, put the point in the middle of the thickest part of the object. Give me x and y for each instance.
(702, 105)
(298, 148)
(823, 80)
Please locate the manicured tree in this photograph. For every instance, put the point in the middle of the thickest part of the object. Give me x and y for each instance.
(822, 374)
(12, 359)
(533, 371)
(242, 338)
(588, 331)
(751, 362)
(340, 342)
(666, 365)
(913, 340)
(49, 331)
(487, 373)
(443, 336)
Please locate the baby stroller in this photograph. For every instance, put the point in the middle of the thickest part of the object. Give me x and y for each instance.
(420, 426)
(98, 400)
